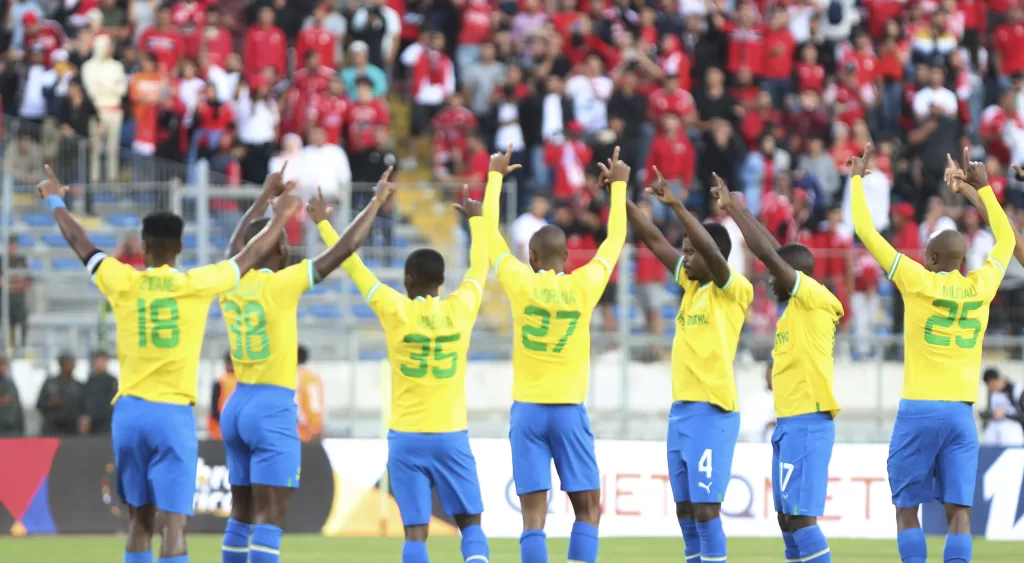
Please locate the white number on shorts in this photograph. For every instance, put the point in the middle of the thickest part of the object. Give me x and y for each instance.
(785, 472)
(704, 465)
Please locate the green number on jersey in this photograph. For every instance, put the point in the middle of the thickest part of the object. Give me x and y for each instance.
(545, 324)
(426, 344)
(162, 314)
(952, 308)
(250, 325)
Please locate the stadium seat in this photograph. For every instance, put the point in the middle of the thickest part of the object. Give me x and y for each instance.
(482, 356)
(54, 240)
(372, 355)
(363, 311)
(215, 312)
(106, 241)
(66, 264)
(36, 265)
(124, 221)
(189, 242)
(26, 241)
(189, 264)
(38, 219)
(324, 311)
(104, 197)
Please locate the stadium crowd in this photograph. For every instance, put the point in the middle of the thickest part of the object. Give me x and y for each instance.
(773, 96)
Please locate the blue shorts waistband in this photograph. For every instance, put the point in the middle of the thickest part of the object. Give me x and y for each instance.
(131, 401)
(697, 407)
(401, 434)
(264, 389)
(811, 417)
(916, 406)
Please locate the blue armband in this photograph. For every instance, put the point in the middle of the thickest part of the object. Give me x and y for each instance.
(56, 202)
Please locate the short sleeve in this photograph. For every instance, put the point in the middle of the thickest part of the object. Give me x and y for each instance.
(592, 279)
(812, 295)
(906, 274)
(215, 278)
(289, 284)
(679, 274)
(110, 275)
(738, 289)
(987, 278)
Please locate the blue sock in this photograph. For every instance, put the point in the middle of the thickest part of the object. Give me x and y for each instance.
(792, 551)
(812, 545)
(913, 547)
(139, 557)
(712, 540)
(235, 548)
(266, 544)
(178, 559)
(533, 547)
(958, 548)
(691, 540)
(474, 545)
(583, 543)
(414, 552)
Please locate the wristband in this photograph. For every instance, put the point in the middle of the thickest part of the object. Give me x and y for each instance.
(55, 202)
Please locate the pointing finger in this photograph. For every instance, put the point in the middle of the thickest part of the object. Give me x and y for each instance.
(964, 158)
(718, 180)
(283, 167)
(514, 167)
(465, 192)
(658, 172)
(615, 154)
(508, 153)
(387, 174)
(319, 194)
(868, 151)
(49, 172)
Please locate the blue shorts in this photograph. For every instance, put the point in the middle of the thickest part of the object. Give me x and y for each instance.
(541, 433)
(155, 454)
(418, 463)
(933, 454)
(701, 441)
(259, 424)
(801, 451)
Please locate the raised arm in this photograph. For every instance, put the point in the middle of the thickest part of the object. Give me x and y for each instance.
(976, 176)
(649, 234)
(261, 245)
(51, 191)
(273, 186)
(341, 248)
(695, 231)
(473, 211)
(956, 179)
(759, 241)
(611, 248)
(499, 167)
(876, 244)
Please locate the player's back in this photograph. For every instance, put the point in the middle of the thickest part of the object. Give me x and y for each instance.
(946, 315)
(261, 314)
(161, 322)
(428, 340)
(551, 315)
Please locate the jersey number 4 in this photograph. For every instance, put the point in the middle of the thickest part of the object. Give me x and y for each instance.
(250, 340)
(963, 322)
(158, 323)
(545, 324)
(427, 345)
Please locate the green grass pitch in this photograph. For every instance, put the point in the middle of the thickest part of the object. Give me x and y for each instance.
(319, 549)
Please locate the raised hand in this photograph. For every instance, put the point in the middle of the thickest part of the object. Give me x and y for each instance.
(274, 184)
(619, 170)
(661, 190)
(287, 205)
(385, 188)
(953, 175)
(604, 179)
(975, 172)
(500, 162)
(1019, 172)
(469, 207)
(50, 186)
(317, 208)
(859, 164)
(720, 191)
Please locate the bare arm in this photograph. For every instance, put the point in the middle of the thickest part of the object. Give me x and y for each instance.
(357, 231)
(264, 242)
(273, 186)
(53, 193)
(695, 231)
(652, 238)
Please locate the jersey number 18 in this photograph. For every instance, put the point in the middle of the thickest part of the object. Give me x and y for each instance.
(249, 331)
(158, 323)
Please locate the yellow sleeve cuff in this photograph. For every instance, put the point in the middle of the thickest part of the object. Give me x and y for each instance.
(364, 279)
(327, 233)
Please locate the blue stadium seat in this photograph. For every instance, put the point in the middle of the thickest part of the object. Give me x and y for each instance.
(324, 311)
(55, 240)
(400, 242)
(372, 355)
(105, 241)
(38, 219)
(124, 221)
(668, 311)
(219, 243)
(146, 199)
(481, 356)
(36, 265)
(66, 264)
(363, 311)
(188, 264)
(215, 312)
(885, 289)
(26, 241)
(189, 242)
(105, 197)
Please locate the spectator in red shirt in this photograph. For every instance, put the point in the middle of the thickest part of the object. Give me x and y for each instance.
(777, 65)
(188, 16)
(808, 122)
(477, 162)
(452, 127)
(761, 119)
(265, 45)
(329, 110)
(42, 35)
(212, 119)
(476, 29)
(164, 41)
(906, 238)
(568, 158)
(864, 304)
(318, 38)
(364, 115)
(671, 98)
(433, 80)
(214, 39)
(746, 38)
(810, 73)
(673, 155)
(1009, 56)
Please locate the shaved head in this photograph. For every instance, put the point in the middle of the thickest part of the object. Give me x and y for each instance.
(946, 251)
(548, 248)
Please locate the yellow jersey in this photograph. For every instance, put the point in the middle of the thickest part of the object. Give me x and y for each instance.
(551, 312)
(427, 340)
(161, 322)
(945, 314)
(803, 362)
(261, 314)
(707, 330)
